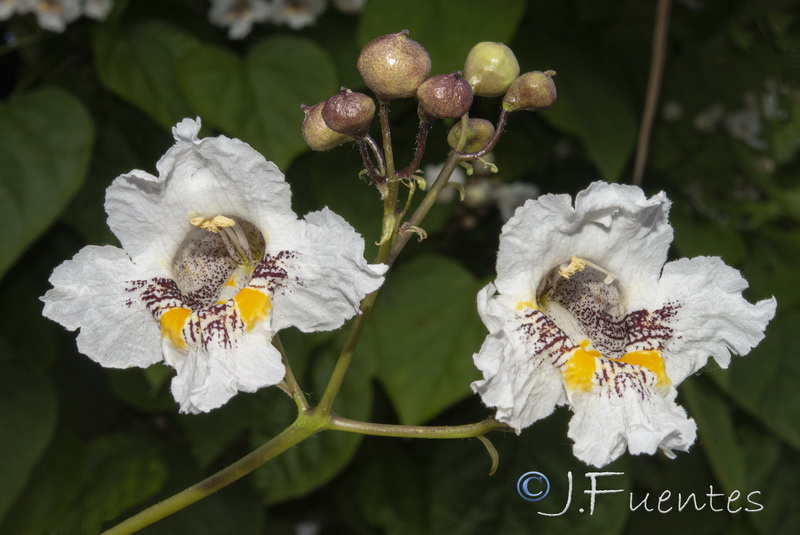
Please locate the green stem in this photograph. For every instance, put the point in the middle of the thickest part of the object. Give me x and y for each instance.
(416, 431)
(346, 356)
(386, 133)
(498, 132)
(424, 206)
(388, 228)
(292, 387)
(301, 429)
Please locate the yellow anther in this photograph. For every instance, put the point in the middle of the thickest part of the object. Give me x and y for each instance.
(576, 265)
(213, 224)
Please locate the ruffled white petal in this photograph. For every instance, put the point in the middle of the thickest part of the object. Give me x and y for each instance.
(89, 292)
(522, 385)
(713, 319)
(603, 427)
(327, 276)
(207, 379)
(611, 225)
(207, 177)
(633, 336)
(207, 292)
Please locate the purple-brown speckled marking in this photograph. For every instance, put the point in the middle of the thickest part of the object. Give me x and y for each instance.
(598, 308)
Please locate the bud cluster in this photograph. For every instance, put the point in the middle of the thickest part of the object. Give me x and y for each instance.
(395, 66)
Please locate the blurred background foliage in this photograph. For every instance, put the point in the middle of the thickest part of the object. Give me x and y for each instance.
(82, 447)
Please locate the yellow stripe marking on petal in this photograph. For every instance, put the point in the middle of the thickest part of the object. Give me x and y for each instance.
(527, 304)
(172, 322)
(254, 305)
(650, 359)
(579, 370)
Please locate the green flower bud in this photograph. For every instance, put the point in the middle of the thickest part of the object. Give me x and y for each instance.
(532, 91)
(490, 68)
(479, 132)
(349, 113)
(316, 133)
(394, 66)
(445, 96)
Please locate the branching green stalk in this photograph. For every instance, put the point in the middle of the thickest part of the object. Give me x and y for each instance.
(388, 229)
(427, 203)
(386, 133)
(376, 176)
(422, 137)
(377, 152)
(304, 427)
(346, 356)
(498, 132)
(416, 431)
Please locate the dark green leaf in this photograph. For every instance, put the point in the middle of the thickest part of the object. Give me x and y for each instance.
(716, 432)
(210, 433)
(138, 388)
(126, 139)
(444, 486)
(331, 179)
(27, 421)
(592, 104)
(423, 333)
(121, 472)
(693, 238)
(318, 459)
(236, 509)
(785, 140)
(140, 65)
(45, 144)
(51, 490)
(466, 500)
(257, 99)
(765, 381)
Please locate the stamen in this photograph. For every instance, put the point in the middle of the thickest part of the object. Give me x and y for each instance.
(214, 224)
(576, 265)
(231, 248)
(232, 236)
(244, 242)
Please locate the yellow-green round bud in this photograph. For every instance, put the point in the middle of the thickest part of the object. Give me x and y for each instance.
(533, 91)
(316, 133)
(479, 132)
(394, 66)
(490, 68)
